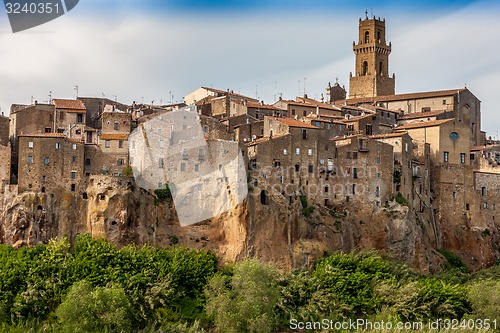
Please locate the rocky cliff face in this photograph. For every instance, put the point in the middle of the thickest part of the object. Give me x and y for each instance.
(116, 209)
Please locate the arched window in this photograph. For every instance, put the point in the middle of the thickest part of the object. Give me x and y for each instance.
(365, 68)
(379, 37)
(367, 37)
(380, 68)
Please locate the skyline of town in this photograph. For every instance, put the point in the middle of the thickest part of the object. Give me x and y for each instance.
(137, 60)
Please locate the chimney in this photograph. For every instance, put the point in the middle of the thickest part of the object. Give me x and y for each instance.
(261, 103)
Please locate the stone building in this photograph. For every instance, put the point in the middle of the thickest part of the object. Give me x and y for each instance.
(4, 130)
(371, 77)
(5, 155)
(448, 139)
(70, 116)
(364, 169)
(50, 161)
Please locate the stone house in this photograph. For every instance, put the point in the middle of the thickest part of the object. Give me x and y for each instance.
(4, 130)
(448, 139)
(50, 161)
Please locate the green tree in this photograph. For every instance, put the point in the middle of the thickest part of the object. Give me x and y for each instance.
(245, 301)
(101, 309)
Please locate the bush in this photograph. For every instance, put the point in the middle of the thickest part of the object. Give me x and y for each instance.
(244, 302)
(485, 298)
(101, 309)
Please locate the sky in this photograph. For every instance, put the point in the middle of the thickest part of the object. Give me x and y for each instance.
(158, 51)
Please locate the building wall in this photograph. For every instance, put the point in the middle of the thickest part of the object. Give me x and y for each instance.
(64, 156)
(5, 154)
(4, 130)
(122, 120)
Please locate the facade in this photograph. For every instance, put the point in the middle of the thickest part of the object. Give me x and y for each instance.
(50, 161)
(448, 139)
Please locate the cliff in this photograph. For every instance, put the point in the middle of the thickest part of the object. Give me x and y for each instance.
(286, 234)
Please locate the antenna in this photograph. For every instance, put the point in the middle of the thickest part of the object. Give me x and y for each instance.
(114, 97)
(256, 92)
(32, 98)
(50, 97)
(76, 90)
(305, 87)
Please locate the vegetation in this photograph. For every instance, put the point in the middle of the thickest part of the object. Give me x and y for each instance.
(92, 287)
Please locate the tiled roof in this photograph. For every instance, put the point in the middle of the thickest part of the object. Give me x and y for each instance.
(482, 147)
(357, 118)
(422, 124)
(388, 135)
(417, 115)
(265, 106)
(222, 92)
(72, 105)
(75, 140)
(114, 136)
(313, 102)
(290, 122)
(260, 140)
(402, 97)
(44, 135)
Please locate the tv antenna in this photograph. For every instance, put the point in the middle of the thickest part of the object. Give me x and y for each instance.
(76, 90)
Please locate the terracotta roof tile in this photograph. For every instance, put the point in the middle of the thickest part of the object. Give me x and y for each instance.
(44, 135)
(290, 122)
(388, 135)
(265, 106)
(74, 105)
(114, 136)
(421, 124)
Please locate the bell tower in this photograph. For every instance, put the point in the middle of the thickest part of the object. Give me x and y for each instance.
(372, 61)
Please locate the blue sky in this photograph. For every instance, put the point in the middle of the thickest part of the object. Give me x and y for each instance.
(152, 50)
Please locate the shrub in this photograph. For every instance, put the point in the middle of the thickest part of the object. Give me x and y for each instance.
(101, 309)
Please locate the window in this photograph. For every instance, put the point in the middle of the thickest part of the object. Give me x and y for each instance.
(472, 157)
(120, 162)
(378, 159)
(87, 161)
(185, 155)
(30, 144)
(367, 37)
(78, 132)
(73, 187)
(183, 167)
(196, 168)
(115, 126)
(466, 206)
(220, 167)
(293, 112)
(48, 130)
(310, 168)
(309, 151)
(79, 118)
(73, 174)
(326, 189)
(454, 195)
(277, 164)
(58, 145)
(377, 191)
(46, 161)
(201, 154)
(304, 134)
(353, 189)
(365, 68)
(354, 155)
(297, 151)
(120, 144)
(44, 179)
(30, 159)
(160, 163)
(107, 144)
(73, 159)
(73, 146)
(444, 102)
(378, 148)
(304, 113)
(284, 151)
(483, 191)
(354, 172)
(297, 167)
(445, 156)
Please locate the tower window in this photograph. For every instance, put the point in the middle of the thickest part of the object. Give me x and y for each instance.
(365, 67)
(367, 37)
(380, 68)
(379, 37)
